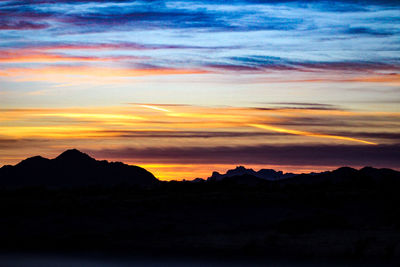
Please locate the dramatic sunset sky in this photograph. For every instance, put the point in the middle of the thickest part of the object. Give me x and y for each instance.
(183, 88)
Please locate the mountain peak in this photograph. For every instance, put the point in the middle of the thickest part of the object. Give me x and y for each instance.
(267, 174)
(241, 168)
(74, 155)
(32, 161)
(73, 168)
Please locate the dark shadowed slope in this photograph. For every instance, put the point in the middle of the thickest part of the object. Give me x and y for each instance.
(73, 168)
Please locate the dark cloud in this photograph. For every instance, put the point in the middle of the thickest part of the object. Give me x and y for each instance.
(22, 25)
(8, 143)
(232, 67)
(162, 15)
(351, 66)
(119, 45)
(12, 143)
(144, 19)
(145, 15)
(368, 31)
(266, 63)
(23, 17)
(254, 63)
(295, 155)
(295, 107)
(302, 104)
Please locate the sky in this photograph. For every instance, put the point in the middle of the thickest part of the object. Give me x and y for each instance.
(184, 88)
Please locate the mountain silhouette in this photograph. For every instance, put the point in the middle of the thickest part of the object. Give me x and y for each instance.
(342, 176)
(74, 156)
(240, 216)
(73, 168)
(347, 176)
(266, 174)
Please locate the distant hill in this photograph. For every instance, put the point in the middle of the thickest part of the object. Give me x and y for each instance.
(366, 176)
(349, 176)
(73, 168)
(266, 174)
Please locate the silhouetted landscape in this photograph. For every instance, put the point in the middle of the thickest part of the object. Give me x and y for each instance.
(73, 169)
(76, 204)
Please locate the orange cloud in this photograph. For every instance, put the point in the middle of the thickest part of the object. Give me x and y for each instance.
(393, 79)
(119, 122)
(331, 77)
(37, 73)
(40, 57)
(92, 116)
(230, 117)
(67, 131)
(304, 133)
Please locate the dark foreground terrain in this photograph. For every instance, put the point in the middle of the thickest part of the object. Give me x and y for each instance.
(344, 216)
(206, 220)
